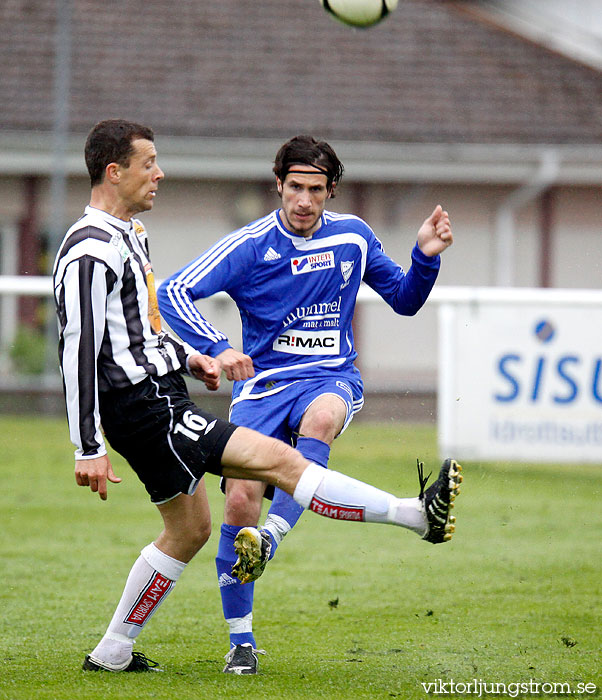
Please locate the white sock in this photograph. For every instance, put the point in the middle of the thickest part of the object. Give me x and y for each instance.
(149, 583)
(335, 495)
(277, 527)
(409, 512)
(240, 625)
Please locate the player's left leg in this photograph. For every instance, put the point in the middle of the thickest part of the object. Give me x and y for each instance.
(254, 547)
(338, 496)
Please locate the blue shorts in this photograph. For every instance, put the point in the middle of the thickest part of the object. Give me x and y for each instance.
(279, 414)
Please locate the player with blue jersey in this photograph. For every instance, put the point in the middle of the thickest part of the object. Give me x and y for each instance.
(294, 275)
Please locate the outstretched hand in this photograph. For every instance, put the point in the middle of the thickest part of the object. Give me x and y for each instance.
(95, 473)
(435, 234)
(205, 368)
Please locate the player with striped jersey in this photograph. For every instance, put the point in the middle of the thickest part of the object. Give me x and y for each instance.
(294, 275)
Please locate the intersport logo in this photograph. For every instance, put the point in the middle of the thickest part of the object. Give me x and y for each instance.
(312, 263)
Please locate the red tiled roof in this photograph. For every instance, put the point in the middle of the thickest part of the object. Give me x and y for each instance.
(271, 68)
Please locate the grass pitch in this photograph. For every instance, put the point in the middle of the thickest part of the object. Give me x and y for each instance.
(344, 610)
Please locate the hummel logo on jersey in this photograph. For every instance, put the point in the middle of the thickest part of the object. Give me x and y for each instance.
(271, 255)
(225, 580)
(312, 263)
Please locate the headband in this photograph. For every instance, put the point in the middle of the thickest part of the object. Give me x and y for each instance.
(323, 171)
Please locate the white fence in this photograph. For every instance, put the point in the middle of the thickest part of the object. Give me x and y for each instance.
(519, 370)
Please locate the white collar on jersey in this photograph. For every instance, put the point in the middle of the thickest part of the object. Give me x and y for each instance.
(110, 219)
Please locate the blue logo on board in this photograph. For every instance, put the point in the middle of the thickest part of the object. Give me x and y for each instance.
(557, 379)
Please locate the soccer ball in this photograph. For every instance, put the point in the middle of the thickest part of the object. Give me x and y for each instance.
(359, 13)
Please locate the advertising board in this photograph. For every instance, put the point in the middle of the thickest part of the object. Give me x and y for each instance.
(521, 378)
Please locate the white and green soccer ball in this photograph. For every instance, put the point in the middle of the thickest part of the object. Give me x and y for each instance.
(359, 13)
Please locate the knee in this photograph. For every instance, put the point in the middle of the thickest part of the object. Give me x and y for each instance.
(243, 503)
(321, 425)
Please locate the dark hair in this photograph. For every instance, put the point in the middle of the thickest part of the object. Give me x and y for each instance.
(306, 150)
(110, 141)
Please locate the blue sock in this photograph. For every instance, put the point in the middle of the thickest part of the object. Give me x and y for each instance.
(285, 506)
(315, 450)
(237, 600)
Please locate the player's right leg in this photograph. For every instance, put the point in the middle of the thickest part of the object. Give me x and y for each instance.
(244, 551)
(187, 526)
(242, 507)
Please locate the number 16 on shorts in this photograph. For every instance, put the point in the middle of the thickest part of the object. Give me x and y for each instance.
(193, 426)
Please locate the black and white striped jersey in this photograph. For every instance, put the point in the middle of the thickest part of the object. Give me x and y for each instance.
(109, 327)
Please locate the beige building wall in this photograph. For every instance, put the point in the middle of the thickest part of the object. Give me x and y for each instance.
(395, 352)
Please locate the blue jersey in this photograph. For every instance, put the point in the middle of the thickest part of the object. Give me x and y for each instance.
(296, 296)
